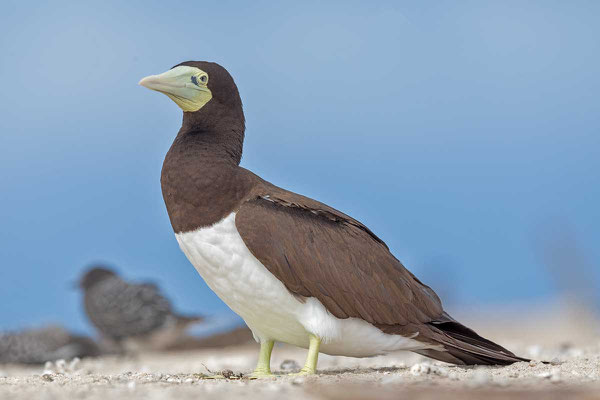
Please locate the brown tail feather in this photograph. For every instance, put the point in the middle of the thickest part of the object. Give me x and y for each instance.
(465, 347)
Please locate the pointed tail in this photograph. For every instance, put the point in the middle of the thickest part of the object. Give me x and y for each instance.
(464, 346)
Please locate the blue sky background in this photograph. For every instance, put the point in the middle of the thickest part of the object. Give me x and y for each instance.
(465, 134)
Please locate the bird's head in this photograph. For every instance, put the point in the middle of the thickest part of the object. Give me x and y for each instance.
(204, 90)
(95, 275)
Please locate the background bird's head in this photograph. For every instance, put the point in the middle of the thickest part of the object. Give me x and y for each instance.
(95, 275)
(204, 90)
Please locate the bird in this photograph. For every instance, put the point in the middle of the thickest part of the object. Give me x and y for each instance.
(49, 343)
(296, 270)
(131, 316)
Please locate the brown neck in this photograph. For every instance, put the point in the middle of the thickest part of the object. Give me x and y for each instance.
(201, 180)
(215, 131)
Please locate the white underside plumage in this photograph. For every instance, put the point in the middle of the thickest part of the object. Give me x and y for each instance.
(272, 313)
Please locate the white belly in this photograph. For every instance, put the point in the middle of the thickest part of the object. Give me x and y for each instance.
(220, 256)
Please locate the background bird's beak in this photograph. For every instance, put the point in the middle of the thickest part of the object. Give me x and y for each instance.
(178, 84)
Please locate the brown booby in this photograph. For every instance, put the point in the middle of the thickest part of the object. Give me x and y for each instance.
(296, 270)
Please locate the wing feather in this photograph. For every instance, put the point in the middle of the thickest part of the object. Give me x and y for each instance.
(317, 251)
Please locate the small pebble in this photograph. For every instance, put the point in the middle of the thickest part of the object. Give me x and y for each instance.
(47, 377)
(74, 364)
(61, 366)
(131, 385)
(420, 369)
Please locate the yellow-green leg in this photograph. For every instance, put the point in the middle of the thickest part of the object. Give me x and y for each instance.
(263, 367)
(310, 367)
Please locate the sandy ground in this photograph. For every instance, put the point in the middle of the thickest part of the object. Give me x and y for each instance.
(570, 341)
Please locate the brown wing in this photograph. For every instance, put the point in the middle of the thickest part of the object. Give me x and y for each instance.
(317, 251)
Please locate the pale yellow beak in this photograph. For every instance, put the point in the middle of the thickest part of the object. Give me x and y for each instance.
(186, 86)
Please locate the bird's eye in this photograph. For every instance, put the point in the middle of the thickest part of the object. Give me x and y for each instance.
(203, 79)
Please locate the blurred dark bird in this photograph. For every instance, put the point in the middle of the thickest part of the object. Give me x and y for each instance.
(133, 316)
(296, 270)
(36, 346)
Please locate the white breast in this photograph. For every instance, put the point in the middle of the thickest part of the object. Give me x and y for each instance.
(220, 256)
